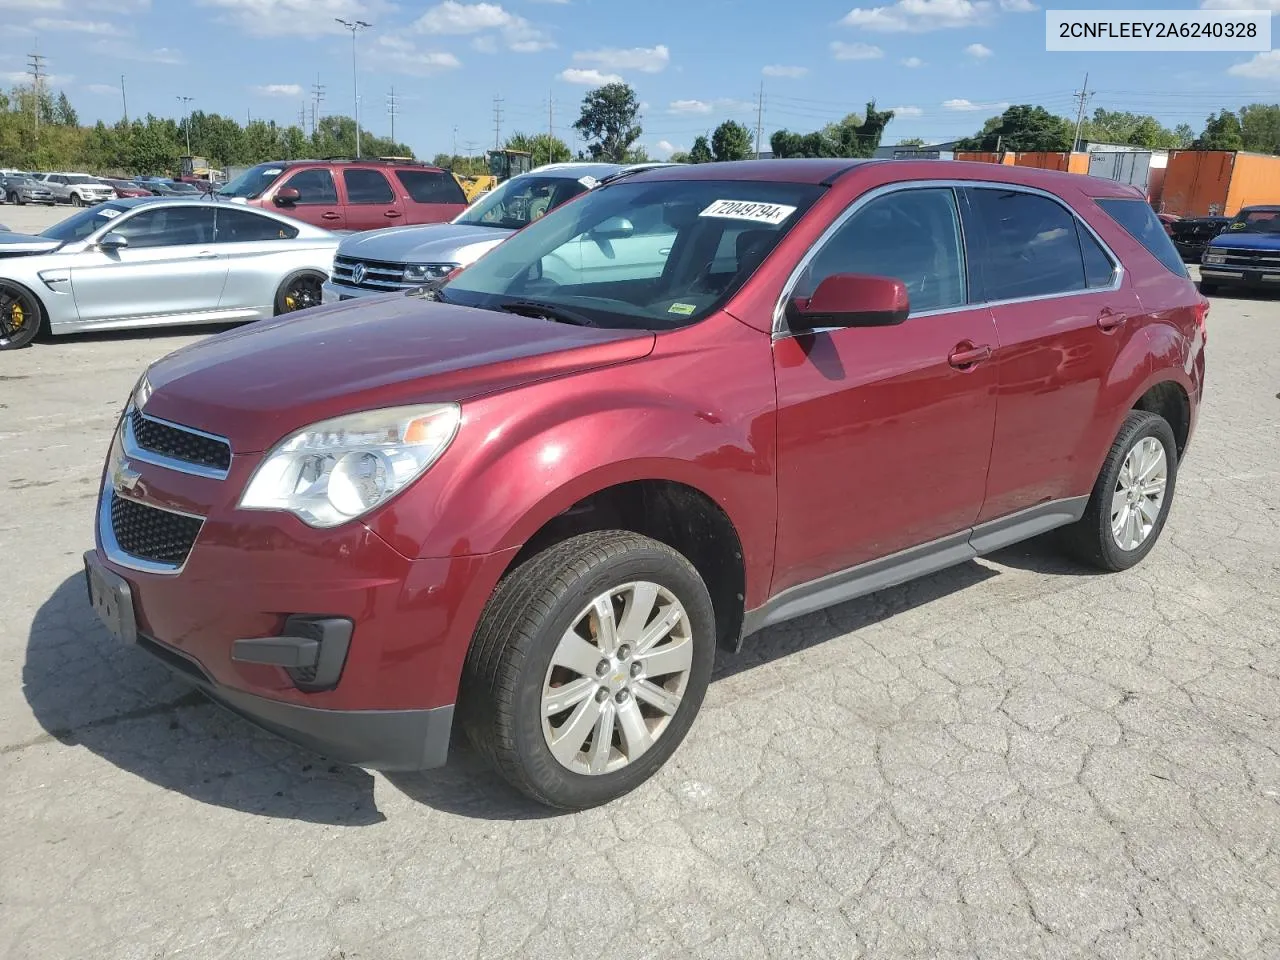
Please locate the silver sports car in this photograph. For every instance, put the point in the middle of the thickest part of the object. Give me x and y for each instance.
(155, 261)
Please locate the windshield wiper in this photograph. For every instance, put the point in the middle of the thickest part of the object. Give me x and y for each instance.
(547, 311)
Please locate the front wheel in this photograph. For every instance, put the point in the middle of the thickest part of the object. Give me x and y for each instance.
(588, 667)
(20, 317)
(77, 200)
(1131, 498)
(299, 293)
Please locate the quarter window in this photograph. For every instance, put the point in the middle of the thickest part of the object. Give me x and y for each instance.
(1140, 222)
(240, 226)
(315, 186)
(1032, 247)
(367, 186)
(912, 235)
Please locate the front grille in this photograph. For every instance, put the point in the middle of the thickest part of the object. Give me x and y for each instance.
(150, 533)
(177, 443)
(1242, 258)
(379, 274)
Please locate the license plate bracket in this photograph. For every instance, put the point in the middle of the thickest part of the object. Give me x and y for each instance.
(111, 598)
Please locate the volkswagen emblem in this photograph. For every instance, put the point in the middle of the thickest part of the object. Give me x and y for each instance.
(358, 273)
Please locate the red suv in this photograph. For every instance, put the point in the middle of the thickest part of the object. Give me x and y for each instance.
(351, 194)
(692, 403)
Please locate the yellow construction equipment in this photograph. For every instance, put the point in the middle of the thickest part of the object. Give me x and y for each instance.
(503, 165)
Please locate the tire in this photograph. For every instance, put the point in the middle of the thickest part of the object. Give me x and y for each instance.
(299, 292)
(509, 668)
(18, 330)
(1092, 539)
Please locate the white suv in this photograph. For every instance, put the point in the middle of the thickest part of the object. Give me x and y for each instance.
(79, 189)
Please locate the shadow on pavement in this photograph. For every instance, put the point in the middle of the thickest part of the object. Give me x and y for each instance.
(1042, 555)
(88, 690)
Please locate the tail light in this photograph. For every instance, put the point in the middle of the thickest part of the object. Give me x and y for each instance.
(1202, 318)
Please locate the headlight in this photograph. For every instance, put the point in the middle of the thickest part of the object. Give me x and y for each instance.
(141, 393)
(339, 469)
(420, 272)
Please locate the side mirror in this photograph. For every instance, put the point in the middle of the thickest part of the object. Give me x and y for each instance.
(851, 300)
(287, 196)
(112, 242)
(615, 228)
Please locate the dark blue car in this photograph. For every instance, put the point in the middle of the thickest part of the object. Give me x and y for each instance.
(1246, 253)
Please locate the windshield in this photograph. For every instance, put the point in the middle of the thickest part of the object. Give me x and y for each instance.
(253, 181)
(518, 202)
(183, 187)
(653, 256)
(85, 222)
(82, 180)
(1256, 221)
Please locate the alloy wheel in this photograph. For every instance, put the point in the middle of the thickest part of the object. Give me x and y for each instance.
(1139, 493)
(616, 679)
(302, 293)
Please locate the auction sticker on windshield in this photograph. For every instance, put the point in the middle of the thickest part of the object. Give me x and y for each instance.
(756, 212)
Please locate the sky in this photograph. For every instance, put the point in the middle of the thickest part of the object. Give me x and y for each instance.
(944, 66)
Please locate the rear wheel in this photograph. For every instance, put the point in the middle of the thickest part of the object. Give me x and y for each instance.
(77, 200)
(588, 667)
(299, 292)
(1131, 498)
(20, 317)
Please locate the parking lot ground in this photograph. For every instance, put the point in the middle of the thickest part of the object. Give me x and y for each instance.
(31, 217)
(1014, 759)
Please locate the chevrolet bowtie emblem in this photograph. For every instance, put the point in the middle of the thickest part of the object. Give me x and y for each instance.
(124, 478)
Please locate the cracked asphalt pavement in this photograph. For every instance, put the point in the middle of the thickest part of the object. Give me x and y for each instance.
(1012, 759)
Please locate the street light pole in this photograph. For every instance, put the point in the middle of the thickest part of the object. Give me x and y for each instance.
(355, 27)
(184, 101)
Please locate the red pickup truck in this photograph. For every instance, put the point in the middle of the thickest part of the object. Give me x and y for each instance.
(350, 194)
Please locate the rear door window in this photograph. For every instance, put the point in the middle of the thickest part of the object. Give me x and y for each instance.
(431, 186)
(367, 186)
(316, 186)
(1140, 222)
(1031, 247)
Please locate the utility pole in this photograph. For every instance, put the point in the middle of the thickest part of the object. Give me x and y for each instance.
(471, 148)
(187, 123)
(759, 119)
(124, 101)
(551, 128)
(317, 97)
(1083, 96)
(35, 66)
(355, 27)
(392, 108)
(454, 156)
(497, 123)
(302, 117)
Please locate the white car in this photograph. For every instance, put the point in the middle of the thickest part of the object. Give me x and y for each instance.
(154, 261)
(79, 189)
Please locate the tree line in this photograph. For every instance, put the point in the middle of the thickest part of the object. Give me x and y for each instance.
(44, 132)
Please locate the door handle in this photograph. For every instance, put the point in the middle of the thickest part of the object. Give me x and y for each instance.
(665, 251)
(392, 213)
(206, 255)
(966, 355)
(1108, 320)
(330, 216)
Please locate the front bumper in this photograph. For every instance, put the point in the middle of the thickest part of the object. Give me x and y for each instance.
(1225, 275)
(331, 292)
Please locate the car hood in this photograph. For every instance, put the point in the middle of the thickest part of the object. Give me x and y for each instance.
(258, 383)
(15, 244)
(1247, 241)
(430, 243)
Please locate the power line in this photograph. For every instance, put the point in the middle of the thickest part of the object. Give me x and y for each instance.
(393, 105)
(317, 98)
(35, 66)
(497, 123)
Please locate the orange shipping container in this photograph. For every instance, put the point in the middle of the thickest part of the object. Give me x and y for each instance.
(1069, 162)
(977, 156)
(1204, 183)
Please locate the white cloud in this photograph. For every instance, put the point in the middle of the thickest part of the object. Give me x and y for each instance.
(77, 26)
(689, 106)
(777, 70)
(105, 6)
(855, 51)
(124, 50)
(485, 44)
(51, 80)
(590, 78)
(978, 51)
(918, 16)
(460, 19)
(913, 62)
(1018, 6)
(398, 55)
(643, 59)
(666, 148)
(967, 106)
(278, 90)
(102, 89)
(297, 18)
(904, 112)
(1272, 5)
(1262, 66)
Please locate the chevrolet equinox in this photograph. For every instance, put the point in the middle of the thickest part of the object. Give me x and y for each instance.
(697, 401)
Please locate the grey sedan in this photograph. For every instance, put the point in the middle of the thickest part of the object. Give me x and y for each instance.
(22, 190)
(155, 261)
